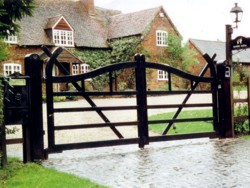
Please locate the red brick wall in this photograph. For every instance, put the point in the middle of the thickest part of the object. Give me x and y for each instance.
(197, 68)
(156, 52)
(18, 53)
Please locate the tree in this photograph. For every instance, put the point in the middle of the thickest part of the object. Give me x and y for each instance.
(179, 56)
(12, 11)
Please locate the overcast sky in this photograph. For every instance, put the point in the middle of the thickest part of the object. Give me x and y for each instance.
(198, 19)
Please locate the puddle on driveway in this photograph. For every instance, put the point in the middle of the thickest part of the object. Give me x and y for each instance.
(188, 163)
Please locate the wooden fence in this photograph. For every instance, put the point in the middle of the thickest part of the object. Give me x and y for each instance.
(246, 100)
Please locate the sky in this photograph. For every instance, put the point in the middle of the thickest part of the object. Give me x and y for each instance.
(197, 19)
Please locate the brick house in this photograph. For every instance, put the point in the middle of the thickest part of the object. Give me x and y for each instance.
(78, 24)
(218, 47)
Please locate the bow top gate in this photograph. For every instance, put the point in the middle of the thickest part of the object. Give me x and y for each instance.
(139, 66)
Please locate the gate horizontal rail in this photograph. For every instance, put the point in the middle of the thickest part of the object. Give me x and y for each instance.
(128, 93)
(96, 125)
(110, 108)
(182, 136)
(61, 147)
(180, 105)
(85, 109)
(180, 120)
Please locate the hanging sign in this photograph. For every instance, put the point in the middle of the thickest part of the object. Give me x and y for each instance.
(240, 43)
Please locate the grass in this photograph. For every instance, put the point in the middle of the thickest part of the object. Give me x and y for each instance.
(247, 137)
(16, 174)
(187, 127)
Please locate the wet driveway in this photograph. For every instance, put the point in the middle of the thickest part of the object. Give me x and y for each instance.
(189, 163)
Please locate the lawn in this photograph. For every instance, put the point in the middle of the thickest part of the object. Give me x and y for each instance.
(187, 127)
(247, 137)
(16, 174)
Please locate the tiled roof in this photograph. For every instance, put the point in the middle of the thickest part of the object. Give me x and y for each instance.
(135, 23)
(131, 23)
(218, 47)
(89, 31)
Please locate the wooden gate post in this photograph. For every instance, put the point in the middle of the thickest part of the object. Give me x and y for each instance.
(228, 88)
(141, 88)
(33, 68)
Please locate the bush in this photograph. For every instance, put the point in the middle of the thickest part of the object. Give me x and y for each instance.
(241, 126)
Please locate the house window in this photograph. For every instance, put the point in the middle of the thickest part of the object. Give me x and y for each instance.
(75, 69)
(12, 39)
(63, 38)
(161, 38)
(79, 69)
(10, 68)
(84, 68)
(162, 75)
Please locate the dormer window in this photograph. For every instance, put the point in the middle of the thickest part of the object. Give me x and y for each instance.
(60, 31)
(63, 38)
(11, 39)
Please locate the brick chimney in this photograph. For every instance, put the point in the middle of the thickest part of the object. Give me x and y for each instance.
(89, 6)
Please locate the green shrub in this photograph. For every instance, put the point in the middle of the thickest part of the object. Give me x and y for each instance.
(241, 126)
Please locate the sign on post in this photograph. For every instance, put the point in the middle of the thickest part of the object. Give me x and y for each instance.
(240, 42)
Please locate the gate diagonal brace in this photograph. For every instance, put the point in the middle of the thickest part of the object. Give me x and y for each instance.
(193, 87)
(78, 87)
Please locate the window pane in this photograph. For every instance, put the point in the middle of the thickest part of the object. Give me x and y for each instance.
(12, 39)
(64, 38)
(84, 68)
(161, 38)
(11, 68)
(162, 75)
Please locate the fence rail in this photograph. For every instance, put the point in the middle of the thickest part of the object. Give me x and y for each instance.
(243, 100)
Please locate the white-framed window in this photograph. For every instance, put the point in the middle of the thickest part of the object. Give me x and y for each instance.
(75, 69)
(79, 68)
(10, 68)
(161, 38)
(63, 38)
(12, 39)
(84, 68)
(162, 75)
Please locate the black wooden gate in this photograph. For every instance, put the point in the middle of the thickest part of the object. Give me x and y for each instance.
(139, 67)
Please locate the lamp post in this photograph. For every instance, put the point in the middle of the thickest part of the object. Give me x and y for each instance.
(228, 119)
(236, 13)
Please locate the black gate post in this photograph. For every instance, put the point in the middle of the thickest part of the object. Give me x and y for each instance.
(141, 88)
(228, 87)
(33, 68)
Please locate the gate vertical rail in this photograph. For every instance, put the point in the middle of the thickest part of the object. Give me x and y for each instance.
(213, 72)
(49, 98)
(141, 97)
